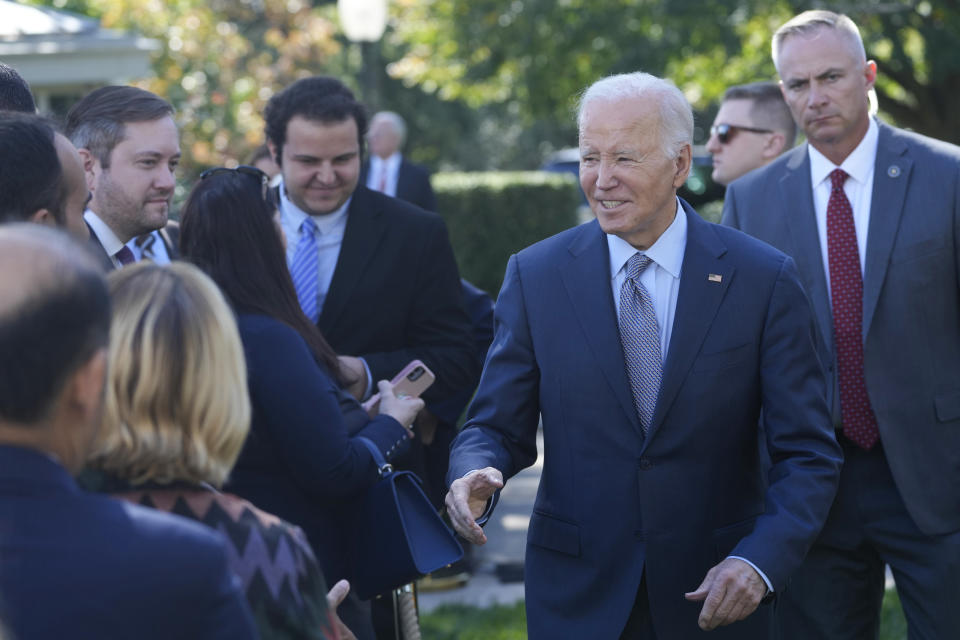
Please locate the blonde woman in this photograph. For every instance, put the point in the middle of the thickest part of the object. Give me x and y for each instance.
(177, 414)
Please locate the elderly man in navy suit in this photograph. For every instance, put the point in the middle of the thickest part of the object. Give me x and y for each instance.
(72, 564)
(871, 214)
(653, 344)
(387, 170)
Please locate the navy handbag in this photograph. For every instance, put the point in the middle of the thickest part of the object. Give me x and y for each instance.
(399, 537)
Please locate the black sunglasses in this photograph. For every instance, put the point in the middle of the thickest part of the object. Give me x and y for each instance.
(246, 170)
(726, 132)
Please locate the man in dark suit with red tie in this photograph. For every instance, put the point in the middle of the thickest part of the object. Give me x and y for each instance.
(387, 170)
(871, 214)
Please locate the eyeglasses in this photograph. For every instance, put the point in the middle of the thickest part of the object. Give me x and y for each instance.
(726, 132)
(246, 170)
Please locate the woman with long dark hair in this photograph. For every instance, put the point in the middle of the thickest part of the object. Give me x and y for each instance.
(302, 460)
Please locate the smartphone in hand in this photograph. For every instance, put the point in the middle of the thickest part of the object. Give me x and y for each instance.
(413, 380)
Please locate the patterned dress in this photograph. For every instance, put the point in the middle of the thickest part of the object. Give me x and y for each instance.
(281, 578)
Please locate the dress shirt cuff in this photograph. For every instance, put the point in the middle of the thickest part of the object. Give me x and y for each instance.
(370, 388)
(766, 580)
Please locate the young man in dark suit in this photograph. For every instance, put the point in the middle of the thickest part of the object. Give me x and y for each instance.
(871, 214)
(653, 344)
(72, 564)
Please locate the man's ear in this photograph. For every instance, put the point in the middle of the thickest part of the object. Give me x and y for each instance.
(91, 167)
(274, 152)
(774, 146)
(43, 216)
(684, 161)
(81, 406)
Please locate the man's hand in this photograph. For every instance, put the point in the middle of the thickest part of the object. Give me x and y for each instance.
(335, 596)
(356, 375)
(467, 500)
(730, 592)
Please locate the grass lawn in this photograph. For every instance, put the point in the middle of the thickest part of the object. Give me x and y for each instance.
(460, 622)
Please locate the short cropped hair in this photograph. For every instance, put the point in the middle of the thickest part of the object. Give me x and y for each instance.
(676, 115)
(809, 22)
(97, 122)
(769, 109)
(319, 99)
(52, 320)
(15, 92)
(31, 177)
(177, 406)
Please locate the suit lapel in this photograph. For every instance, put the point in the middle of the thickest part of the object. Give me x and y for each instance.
(697, 303)
(891, 174)
(593, 307)
(361, 240)
(795, 188)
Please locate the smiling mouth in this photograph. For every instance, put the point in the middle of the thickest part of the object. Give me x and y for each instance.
(611, 204)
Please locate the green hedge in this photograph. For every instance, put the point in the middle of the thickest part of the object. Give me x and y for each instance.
(492, 215)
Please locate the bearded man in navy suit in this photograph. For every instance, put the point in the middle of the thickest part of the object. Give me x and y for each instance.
(653, 344)
(871, 214)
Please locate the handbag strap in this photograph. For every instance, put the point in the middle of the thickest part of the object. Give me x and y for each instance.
(383, 466)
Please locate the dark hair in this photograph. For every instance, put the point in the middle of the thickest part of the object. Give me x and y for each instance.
(15, 92)
(769, 108)
(227, 229)
(31, 177)
(318, 98)
(96, 123)
(57, 327)
(263, 151)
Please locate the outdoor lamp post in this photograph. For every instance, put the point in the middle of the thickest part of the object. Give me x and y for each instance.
(364, 21)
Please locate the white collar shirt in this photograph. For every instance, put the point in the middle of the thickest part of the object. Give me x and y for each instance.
(859, 165)
(384, 173)
(105, 235)
(661, 279)
(330, 228)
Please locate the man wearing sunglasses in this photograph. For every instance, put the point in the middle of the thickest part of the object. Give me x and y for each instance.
(752, 127)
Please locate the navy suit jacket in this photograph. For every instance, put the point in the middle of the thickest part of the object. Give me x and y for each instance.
(79, 565)
(911, 302)
(396, 295)
(413, 184)
(613, 504)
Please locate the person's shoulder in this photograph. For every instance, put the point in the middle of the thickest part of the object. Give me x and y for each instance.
(739, 246)
(922, 146)
(769, 175)
(263, 334)
(564, 241)
(397, 213)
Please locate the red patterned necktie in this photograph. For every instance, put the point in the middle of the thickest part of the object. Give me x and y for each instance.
(846, 297)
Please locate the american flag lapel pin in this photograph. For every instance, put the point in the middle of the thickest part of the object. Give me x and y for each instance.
(715, 277)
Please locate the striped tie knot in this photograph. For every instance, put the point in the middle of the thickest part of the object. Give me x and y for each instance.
(308, 228)
(636, 265)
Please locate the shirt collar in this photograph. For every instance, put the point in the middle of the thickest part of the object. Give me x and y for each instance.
(391, 163)
(296, 215)
(108, 239)
(858, 165)
(667, 251)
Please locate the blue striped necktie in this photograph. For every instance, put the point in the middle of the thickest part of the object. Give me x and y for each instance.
(640, 338)
(305, 269)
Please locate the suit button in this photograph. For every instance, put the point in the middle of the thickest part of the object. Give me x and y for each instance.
(645, 464)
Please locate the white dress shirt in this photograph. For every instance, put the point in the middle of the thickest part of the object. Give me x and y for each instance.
(858, 188)
(380, 168)
(330, 228)
(661, 278)
(158, 249)
(108, 239)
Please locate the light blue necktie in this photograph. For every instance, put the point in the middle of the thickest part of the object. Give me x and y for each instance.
(305, 269)
(640, 338)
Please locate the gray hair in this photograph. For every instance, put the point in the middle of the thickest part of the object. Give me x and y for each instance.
(809, 23)
(395, 120)
(676, 115)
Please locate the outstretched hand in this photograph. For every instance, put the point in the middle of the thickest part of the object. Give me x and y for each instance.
(467, 500)
(730, 592)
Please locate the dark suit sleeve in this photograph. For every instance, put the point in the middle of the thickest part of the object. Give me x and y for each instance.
(437, 329)
(799, 435)
(502, 428)
(428, 198)
(297, 410)
(218, 599)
